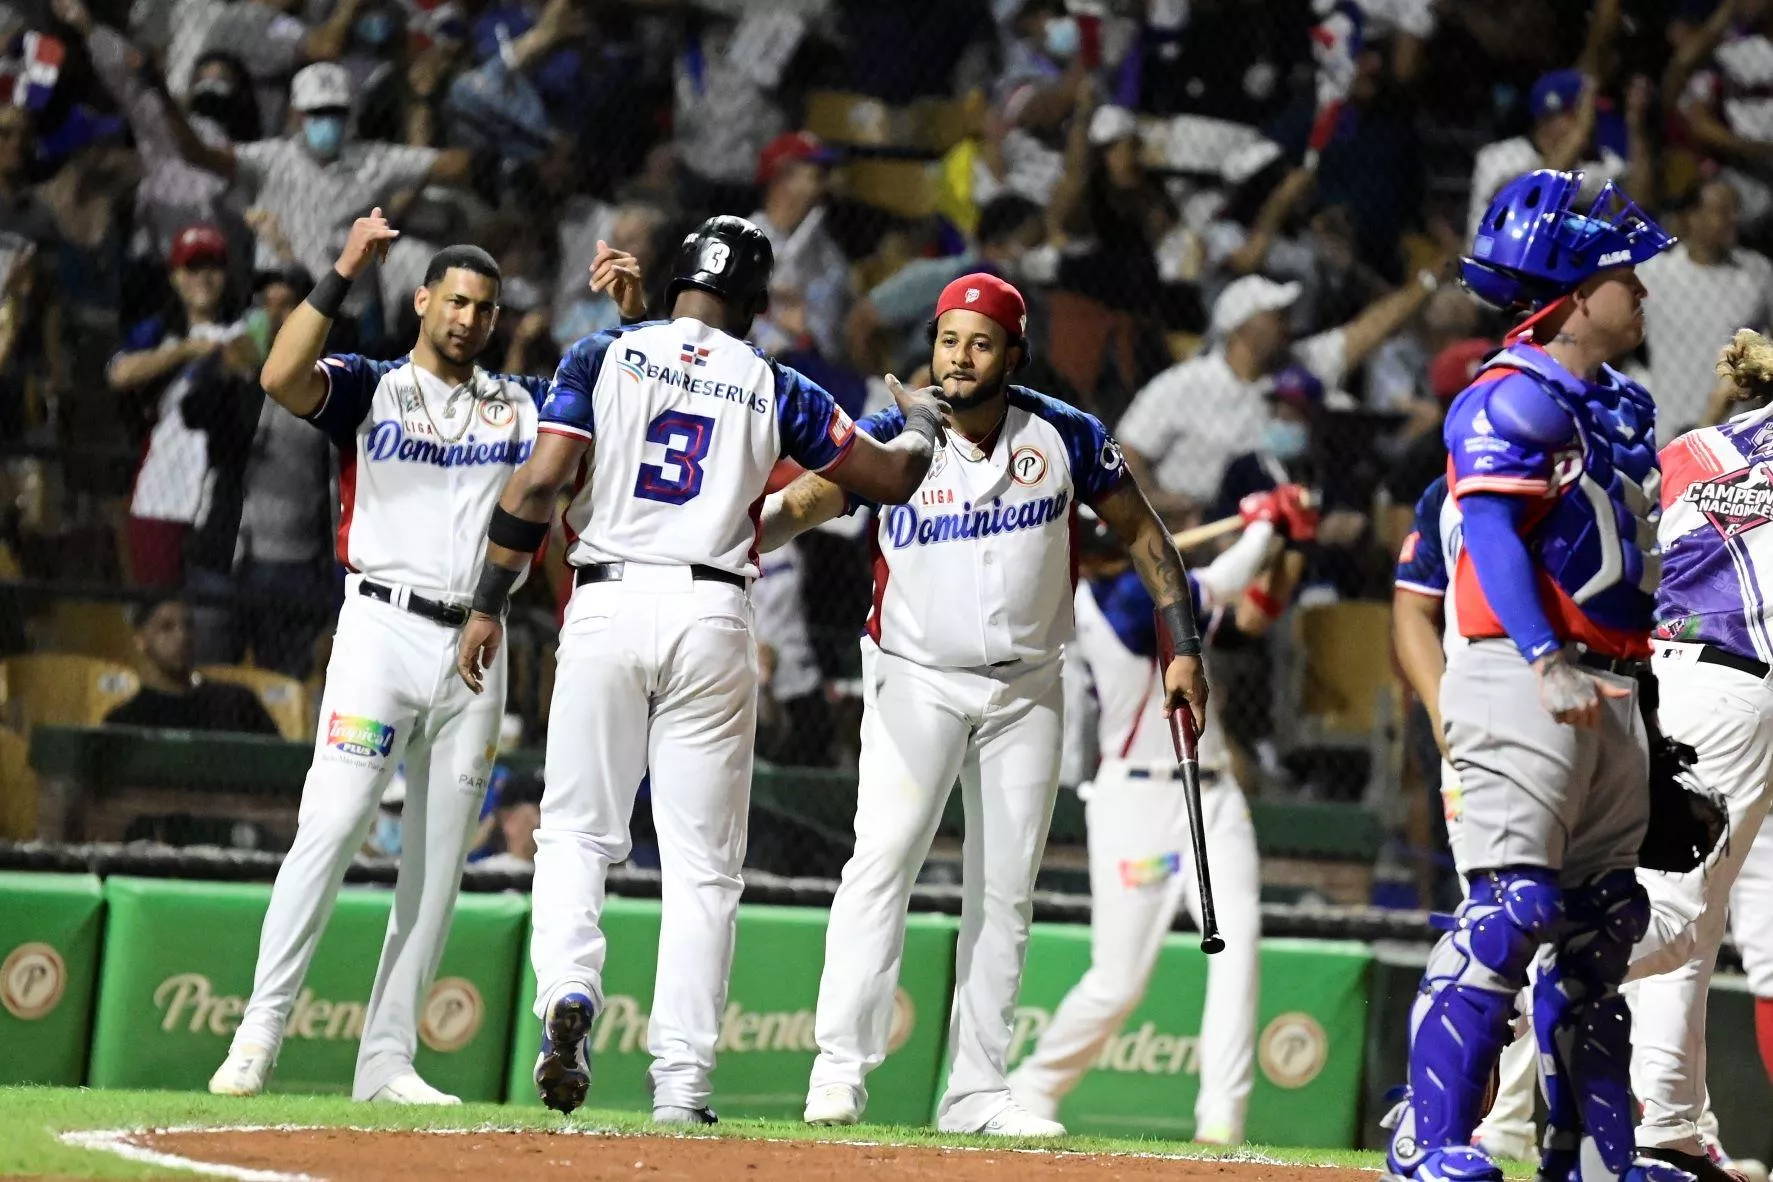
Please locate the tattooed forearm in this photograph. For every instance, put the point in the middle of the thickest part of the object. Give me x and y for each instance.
(1159, 565)
(811, 500)
(1155, 557)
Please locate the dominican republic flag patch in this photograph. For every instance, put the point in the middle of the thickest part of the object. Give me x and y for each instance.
(28, 80)
(693, 356)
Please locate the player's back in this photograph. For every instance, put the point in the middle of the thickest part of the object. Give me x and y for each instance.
(686, 423)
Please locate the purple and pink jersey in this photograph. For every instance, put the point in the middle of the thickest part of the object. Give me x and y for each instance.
(1717, 560)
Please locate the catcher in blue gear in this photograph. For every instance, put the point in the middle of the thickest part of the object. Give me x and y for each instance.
(1552, 461)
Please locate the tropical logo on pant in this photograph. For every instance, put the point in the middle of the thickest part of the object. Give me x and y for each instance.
(1293, 1049)
(1144, 872)
(356, 735)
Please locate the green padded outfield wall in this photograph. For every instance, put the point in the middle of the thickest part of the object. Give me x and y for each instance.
(1311, 1029)
(766, 1043)
(49, 947)
(177, 971)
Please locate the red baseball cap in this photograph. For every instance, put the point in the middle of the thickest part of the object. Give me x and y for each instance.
(990, 297)
(1454, 366)
(198, 244)
(788, 147)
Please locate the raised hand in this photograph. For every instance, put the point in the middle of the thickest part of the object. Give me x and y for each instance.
(618, 273)
(369, 241)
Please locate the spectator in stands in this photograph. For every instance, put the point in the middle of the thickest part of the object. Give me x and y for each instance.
(577, 310)
(885, 328)
(724, 116)
(1701, 292)
(1563, 104)
(1397, 377)
(173, 695)
(793, 172)
(517, 813)
(29, 243)
(264, 34)
(1045, 79)
(317, 182)
(794, 720)
(1189, 421)
(222, 109)
(163, 359)
(1108, 216)
(1421, 454)
(1721, 80)
(260, 554)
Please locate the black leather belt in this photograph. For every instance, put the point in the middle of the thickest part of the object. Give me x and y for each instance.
(1624, 666)
(450, 615)
(611, 572)
(1711, 654)
(1208, 775)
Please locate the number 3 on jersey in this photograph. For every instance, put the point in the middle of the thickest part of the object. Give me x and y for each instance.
(685, 438)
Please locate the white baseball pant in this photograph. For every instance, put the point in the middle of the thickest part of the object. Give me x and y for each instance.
(999, 730)
(1751, 914)
(656, 671)
(392, 694)
(1727, 716)
(1141, 869)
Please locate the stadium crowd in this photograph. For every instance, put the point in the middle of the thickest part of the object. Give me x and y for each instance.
(1233, 220)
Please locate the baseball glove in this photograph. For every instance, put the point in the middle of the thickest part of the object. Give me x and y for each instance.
(1687, 820)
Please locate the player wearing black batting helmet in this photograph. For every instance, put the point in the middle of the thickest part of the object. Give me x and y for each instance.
(729, 257)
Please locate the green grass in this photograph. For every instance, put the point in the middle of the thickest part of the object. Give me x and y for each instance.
(31, 1118)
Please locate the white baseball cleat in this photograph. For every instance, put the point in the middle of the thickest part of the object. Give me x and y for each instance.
(832, 1104)
(243, 1072)
(408, 1088)
(1017, 1121)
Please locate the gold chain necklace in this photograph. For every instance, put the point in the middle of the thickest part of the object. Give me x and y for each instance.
(418, 390)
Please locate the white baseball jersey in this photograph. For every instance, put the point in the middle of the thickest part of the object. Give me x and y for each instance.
(1430, 552)
(1117, 646)
(978, 569)
(689, 422)
(421, 465)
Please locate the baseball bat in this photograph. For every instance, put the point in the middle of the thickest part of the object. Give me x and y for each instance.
(1206, 533)
(1183, 736)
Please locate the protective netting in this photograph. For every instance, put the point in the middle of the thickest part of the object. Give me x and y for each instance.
(1232, 219)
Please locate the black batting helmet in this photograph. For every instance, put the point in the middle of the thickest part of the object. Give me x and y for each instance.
(729, 257)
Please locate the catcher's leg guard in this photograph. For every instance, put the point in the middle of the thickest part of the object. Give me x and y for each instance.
(1461, 1017)
(1584, 1030)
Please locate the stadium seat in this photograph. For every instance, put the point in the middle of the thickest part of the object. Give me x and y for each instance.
(63, 689)
(18, 788)
(285, 699)
(1348, 691)
(905, 188)
(89, 627)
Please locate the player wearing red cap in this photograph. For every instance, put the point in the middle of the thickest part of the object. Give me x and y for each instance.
(973, 588)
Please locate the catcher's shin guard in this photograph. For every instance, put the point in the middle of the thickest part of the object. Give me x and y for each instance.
(1461, 1018)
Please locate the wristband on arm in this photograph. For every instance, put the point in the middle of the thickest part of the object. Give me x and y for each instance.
(328, 296)
(514, 533)
(493, 593)
(924, 421)
(1179, 622)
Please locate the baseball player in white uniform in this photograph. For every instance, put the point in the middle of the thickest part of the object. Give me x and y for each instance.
(1139, 838)
(424, 445)
(658, 668)
(972, 606)
(1714, 661)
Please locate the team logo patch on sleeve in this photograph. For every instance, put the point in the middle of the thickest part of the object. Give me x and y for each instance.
(356, 735)
(1735, 503)
(1143, 872)
(1408, 551)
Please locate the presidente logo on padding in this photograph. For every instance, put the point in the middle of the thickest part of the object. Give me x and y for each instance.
(1736, 503)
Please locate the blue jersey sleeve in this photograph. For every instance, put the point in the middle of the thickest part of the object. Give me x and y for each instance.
(536, 388)
(142, 335)
(567, 408)
(1421, 565)
(1506, 573)
(1130, 611)
(816, 432)
(1504, 436)
(351, 383)
(883, 426)
(1097, 467)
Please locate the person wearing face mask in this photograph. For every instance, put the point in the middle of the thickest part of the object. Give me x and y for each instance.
(173, 193)
(317, 181)
(1188, 423)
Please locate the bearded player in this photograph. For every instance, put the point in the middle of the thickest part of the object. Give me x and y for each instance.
(972, 606)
